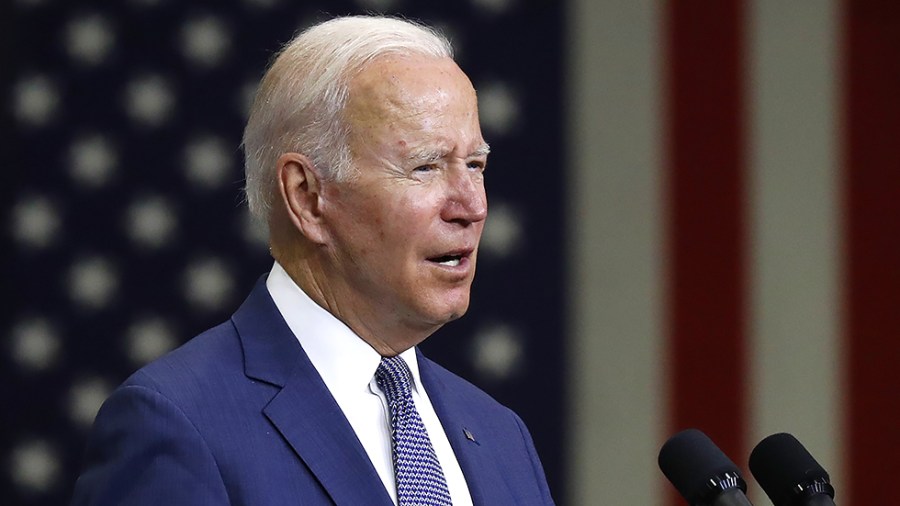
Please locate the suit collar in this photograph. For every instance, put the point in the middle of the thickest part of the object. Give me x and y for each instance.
(303, 411)
(271, 352)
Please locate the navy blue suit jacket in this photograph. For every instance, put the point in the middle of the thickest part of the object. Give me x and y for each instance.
(239, 415)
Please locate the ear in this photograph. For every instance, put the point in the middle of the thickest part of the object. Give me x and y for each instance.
(300, 187)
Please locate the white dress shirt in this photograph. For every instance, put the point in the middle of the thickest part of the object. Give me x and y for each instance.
(347, 365)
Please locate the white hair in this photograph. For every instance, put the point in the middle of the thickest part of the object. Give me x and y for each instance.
(300, 101)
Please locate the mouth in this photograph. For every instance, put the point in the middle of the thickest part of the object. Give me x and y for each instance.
(451, 259)
(447, 260)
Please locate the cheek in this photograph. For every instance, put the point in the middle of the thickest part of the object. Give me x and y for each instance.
(405, 228)
(378, 224)
(391, 225)
(414, 205)
(382, 231)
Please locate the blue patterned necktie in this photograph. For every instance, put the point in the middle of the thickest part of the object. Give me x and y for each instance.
(420, 480)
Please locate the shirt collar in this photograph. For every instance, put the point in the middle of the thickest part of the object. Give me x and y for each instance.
(343, 359)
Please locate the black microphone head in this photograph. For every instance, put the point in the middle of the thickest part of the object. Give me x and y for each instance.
(786, 471)
(695, 466)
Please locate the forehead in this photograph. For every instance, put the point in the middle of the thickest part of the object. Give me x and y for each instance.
(398, 77)
(414, 97)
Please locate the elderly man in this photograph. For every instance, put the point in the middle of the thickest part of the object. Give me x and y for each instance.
(365, 160)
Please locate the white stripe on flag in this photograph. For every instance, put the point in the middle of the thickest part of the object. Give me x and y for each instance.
(794, 342)
(616, 345)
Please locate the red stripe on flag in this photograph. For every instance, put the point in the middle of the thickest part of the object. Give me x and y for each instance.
(706, 227)
(872, 204)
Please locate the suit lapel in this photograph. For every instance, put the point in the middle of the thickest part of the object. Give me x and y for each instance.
(303, 411)
(311, 421)
(468, 438)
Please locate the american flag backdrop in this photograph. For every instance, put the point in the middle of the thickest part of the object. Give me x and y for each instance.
(127, 234)
(694, 221)
(735, 222)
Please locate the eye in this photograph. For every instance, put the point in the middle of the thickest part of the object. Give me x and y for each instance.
(476, 165)
(424, 168)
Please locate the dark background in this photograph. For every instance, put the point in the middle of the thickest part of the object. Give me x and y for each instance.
(125, 231)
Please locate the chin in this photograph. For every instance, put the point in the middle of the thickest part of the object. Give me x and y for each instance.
(455, 316)
(441, 317)
(456, 312)
(436, 310)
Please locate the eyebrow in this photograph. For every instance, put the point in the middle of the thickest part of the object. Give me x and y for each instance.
(482, 150)
(430, 155)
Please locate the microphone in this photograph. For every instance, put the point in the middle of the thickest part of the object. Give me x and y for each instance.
(788, 474)
(703, 475)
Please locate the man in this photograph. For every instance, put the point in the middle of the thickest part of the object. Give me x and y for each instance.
(365, 160)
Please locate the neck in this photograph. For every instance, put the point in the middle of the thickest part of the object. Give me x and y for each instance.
(362, 318)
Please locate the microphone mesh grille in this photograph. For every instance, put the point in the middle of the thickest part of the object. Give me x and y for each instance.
(689, 460)
(779, 463)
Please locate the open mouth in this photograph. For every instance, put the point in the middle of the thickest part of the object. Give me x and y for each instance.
(449, 260)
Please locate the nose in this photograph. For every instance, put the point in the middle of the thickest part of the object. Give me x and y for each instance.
(466, 201)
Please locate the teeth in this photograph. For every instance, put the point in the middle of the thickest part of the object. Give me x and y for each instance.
(450, 263)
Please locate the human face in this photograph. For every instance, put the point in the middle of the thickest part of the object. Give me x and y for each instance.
(405, 232)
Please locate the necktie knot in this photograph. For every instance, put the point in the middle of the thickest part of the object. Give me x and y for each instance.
(394, 379)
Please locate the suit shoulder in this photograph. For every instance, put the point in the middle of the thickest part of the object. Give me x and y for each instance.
(208, 356)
